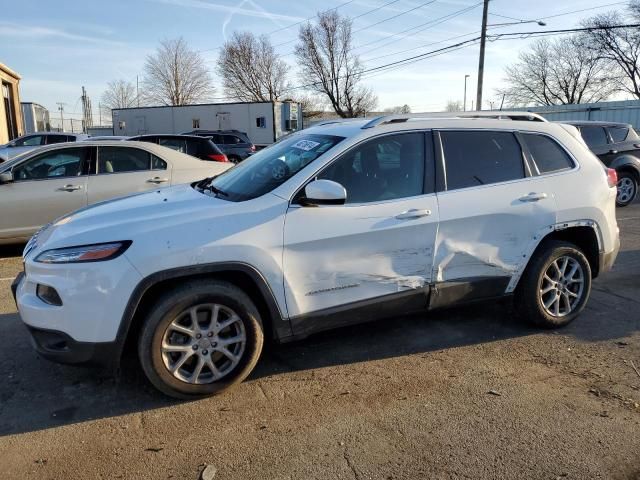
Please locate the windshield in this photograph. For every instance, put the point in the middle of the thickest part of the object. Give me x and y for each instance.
(271, 167)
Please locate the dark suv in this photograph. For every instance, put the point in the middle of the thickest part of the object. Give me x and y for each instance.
(617, 145)
(196, 146)
(234, 143)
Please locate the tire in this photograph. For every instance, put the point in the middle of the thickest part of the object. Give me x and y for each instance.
(163, 343)
(535, 289)
(627, 188)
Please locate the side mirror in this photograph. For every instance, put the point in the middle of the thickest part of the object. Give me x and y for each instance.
(6, 177)
(324, 192)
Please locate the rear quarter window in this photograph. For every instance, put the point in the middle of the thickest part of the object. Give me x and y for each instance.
(618, 134)
(547, 155)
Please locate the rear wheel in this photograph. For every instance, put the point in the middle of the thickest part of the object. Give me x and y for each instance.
(555, 286)
(201, 339)
(627, 188)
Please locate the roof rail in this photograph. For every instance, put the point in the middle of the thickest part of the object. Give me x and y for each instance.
(496, 115)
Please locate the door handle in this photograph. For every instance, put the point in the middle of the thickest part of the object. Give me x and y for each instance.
(70, 188)
(157, 180)
(533, 197)
(413, 213)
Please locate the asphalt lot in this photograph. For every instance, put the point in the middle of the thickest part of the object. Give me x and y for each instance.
(465, 393)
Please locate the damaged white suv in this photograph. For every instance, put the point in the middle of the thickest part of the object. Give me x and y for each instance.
(340, 223)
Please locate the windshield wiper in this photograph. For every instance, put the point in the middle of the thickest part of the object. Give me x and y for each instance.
(217, 191)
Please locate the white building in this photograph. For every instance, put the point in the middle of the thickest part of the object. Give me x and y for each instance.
(264, 122)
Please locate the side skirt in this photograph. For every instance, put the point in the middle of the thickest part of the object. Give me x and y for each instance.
(439, 295)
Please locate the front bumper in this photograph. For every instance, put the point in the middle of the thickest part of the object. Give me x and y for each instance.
(60, 347)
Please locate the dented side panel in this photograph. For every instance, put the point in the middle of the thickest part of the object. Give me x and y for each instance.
(488, 231)
(341, 254)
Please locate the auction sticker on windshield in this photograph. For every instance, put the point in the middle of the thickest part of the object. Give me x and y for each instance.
(306, 145)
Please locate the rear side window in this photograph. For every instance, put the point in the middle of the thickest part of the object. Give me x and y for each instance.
(547, 154)
(618, 134)
(177, 144)
(58, 139)
(122, 159)
(594, 136)
(194, 147)
(157, 163)
(231, 140)
(481, 158)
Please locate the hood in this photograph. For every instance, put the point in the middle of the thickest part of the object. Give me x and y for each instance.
(125, 218)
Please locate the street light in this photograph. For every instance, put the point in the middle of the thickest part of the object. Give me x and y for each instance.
(464, 108)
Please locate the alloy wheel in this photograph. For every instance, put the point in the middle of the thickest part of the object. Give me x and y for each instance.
(626, 190)
(204, 343)
(562, 286)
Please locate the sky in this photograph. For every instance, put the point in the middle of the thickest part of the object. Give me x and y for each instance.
(58, 47)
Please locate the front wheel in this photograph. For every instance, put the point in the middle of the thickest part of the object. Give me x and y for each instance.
(555, 286)
(200, 339)
(627, 189)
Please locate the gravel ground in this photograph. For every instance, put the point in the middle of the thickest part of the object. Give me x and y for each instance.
(464, 393)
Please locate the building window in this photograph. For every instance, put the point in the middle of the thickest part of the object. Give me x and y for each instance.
(195, 123)
(261, 122)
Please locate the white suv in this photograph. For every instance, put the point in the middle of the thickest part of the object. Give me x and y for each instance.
(337, 224)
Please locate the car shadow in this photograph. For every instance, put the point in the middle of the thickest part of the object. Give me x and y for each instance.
(36, 394)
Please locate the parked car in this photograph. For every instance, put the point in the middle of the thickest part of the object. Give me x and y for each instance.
(32, 141)
(336, 224)
(234, 143)
(113, 138)
(39, 186)
(199, 147)
(618, 146)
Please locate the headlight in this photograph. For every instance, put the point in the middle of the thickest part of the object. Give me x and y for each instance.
(84, 253)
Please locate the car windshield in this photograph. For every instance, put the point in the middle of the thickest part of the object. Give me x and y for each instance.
(270, 168)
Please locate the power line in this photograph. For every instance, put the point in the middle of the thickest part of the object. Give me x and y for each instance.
(310, 18)
(430, 24)
(457, 46)
(561, 14)
(362, 15)
(396, 16)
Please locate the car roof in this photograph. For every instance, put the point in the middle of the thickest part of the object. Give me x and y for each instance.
(170, 135)
(177, 158)
(391, 123)
(595, 123)
(69, 134)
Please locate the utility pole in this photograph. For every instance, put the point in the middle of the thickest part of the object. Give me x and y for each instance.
(464, 107)
(483, 41)
(137, 91)
(61, 108)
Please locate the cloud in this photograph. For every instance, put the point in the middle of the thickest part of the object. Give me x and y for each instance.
(256, 11)
(16, 30)
(238, 9)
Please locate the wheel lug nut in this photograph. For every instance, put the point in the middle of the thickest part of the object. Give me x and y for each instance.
(198, 336)
(210, 334)
(195, 347)
(214, 344)
(204, 352)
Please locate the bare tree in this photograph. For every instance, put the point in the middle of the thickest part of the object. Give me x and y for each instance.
(620, 46)
(176, 75)
(453, 106)
(251, 69)
(402, 109)
(557, 72)
(328, 63)
(311, 103)
(119, 94)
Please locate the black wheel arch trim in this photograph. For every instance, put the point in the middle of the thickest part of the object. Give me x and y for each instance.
(280, 325)
(626, 162)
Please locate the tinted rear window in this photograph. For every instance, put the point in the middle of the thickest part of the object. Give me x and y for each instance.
(481, 158)
(594, 136)
(546, 153)
(619, 134)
